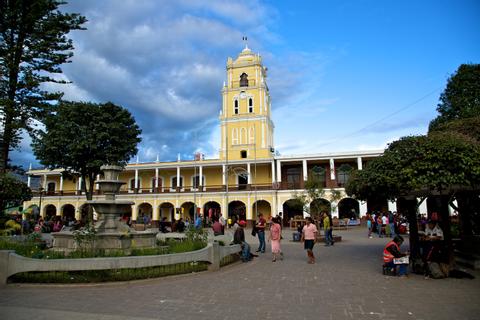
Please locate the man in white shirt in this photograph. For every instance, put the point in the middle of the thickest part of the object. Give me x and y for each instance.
(433, 231)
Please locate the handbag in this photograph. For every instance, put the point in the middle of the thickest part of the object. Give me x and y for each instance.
(254, 231)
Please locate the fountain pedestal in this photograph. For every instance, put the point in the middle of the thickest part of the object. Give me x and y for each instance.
(111, 232)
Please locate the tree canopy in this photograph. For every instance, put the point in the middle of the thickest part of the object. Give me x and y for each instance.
(80, 137)
(461, 97)
(435, 163)
(12, 191)
(33, 45)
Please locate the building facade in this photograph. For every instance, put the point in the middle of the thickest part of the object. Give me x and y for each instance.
(247, 179)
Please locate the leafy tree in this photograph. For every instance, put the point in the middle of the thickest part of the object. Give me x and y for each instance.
(80, 137)
(442, 163)
(33, 45)
(461, 97)
(314, 190)
(12, 192)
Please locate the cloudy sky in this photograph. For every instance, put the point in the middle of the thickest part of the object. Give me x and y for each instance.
(343, 75)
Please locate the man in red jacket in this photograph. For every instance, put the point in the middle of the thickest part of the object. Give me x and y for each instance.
(391, 252)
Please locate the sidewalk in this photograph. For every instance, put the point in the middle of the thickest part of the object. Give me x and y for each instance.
(346, 283)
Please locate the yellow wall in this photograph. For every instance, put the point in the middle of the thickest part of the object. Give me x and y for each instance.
(248, 129)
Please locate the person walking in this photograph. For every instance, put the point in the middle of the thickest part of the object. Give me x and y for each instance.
(327, 228)
(309, 237)
(275, 238)
(260, 228)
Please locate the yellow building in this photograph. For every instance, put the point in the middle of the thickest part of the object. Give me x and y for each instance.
(247, 179)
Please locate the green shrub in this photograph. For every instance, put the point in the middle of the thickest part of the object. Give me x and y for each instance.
(108, 275)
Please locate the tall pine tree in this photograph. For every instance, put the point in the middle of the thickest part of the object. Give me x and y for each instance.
(33, 45)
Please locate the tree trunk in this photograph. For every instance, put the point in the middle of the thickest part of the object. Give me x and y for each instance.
(466, 208)
(411, 208)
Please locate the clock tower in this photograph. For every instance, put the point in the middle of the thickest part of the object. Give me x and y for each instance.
(245, 119)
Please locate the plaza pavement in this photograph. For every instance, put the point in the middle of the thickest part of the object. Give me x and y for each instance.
(346, 283)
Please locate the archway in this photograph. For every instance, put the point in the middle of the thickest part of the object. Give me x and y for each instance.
(50, 212)
(348, 208)
(212, 209)
(144, 213)
(318, 206)
(68, 211)
(188, 210)
(237, 210)
(263, 207)
(291, 208)
(167, 211)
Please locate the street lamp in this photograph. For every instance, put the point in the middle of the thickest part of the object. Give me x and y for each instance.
(40, 190)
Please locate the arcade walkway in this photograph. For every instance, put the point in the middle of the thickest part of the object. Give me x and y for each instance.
(346, 283)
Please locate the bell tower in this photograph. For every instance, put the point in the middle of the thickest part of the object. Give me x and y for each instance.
(245, 119)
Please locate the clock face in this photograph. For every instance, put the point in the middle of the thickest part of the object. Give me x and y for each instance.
(243, 95)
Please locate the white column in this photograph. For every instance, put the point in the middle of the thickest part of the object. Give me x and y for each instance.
(249, 179)
(279, 171)
(79, 187)
(136, 178)
(359, 163)
(305, 173)
(61, 183)
(273, 172)
(156, 178)
(422, 209)
(44, 182)
(200, 178)
(96, 184)
(134, 212)
(392, 205)
(249, 212)
(332, 169)
(224, 173)
(178, 177)
(156, 211)
(335, 209)
(363, 208)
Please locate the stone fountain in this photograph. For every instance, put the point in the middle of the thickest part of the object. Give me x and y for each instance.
(111, 232)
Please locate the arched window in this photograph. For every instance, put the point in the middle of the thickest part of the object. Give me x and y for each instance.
(250, 105)
(51, 188)
(319, 175)
(343, 174)
(174, 182)
(235, 108)
(234, 136)
(159, 183)
(243, 135)
(251, 135)
(244, 80)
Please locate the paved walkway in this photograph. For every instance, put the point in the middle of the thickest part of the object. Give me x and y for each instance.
(346, 283)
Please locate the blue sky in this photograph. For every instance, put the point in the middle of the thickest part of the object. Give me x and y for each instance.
(343, 75)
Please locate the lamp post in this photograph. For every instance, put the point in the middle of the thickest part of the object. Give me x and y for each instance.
(40, 190)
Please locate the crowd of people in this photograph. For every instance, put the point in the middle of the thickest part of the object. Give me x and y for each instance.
(386, 224)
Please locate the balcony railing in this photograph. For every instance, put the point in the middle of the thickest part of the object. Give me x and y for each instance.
(186, 189)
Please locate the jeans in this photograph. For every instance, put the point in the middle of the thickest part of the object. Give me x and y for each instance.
(261, 239)
(392, 230)
(401, 268)
(328, 237)
(245, 252)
